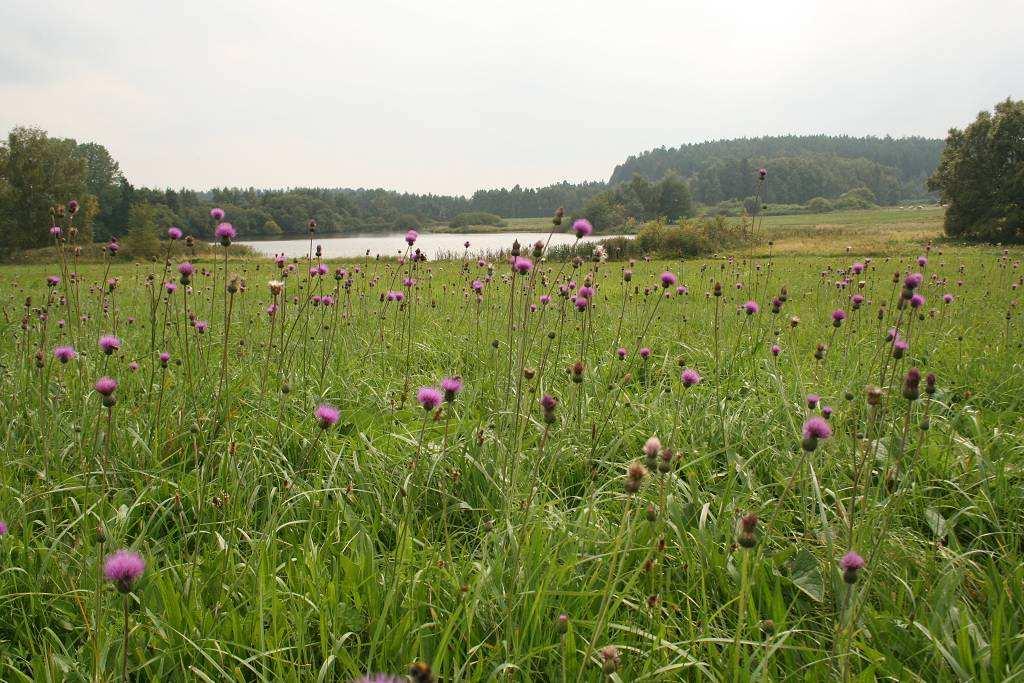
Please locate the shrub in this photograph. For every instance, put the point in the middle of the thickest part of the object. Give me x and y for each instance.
(464, 220)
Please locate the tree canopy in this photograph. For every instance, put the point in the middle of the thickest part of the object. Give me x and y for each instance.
(981, 176)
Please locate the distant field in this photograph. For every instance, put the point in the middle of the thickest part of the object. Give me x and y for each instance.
(871, 231)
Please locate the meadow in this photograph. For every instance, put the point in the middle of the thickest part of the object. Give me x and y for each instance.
(795, 466)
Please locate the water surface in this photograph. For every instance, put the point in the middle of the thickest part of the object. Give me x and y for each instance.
(434, 245)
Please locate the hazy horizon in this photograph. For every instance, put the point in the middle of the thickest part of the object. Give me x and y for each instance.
(454, 97)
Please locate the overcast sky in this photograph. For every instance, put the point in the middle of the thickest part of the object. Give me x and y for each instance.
(450, 96)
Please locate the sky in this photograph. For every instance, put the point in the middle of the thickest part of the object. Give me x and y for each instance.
(451, 96)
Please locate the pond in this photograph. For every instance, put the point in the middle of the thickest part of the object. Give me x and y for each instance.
(434, 245)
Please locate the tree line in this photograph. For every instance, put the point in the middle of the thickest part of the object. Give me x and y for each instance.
(801, 167)
(39, 172)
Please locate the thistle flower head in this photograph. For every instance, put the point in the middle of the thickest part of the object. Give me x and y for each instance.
(105, 385)
(174, 233)
(411, 237)
(582, 227)
(522, 264)
(109, 343)
(652, 447)
(327, 415)
(123, 569)
(690, 377)
(225, 231)
(429, 398)
(751, 307)
(451, 386)
(217, 214)
(64, 353)
(668, 278)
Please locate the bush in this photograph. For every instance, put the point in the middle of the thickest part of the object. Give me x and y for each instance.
(819, 205)
(464, 220)
(659, 239)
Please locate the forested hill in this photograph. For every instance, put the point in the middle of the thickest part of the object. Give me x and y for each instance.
(800, 166)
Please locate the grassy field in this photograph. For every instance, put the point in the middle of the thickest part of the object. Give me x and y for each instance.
(645, 525)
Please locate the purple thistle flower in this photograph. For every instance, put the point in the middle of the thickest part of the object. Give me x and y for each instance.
(52, 280)
(165, 358)
(327, 415)
(174, 233)
(751, 307)
(3, 527)
(851, 560)
(200, 326)
(813, 400)
(170, 287)
(913, 281)
(522, 264)
(217, 214)
(133, 366)
(451, 386)
(225, 231)
(857, 268)
(621, 352)
(816, 428)
(838, 315)
(105, 385)
(64, 353)
(826, 411)
(851, 563)
(429, 398)
(652, 447)
(690, 377)
(581, 303)
(645, 352)
(948, 298)
(123, 569)
(186, 269)
(922, 261)
(916, 301)
(109, 343)
(55, 231)
(582, 228)
(545, 299)
(411, 237)
(668, 278)
(776, 349)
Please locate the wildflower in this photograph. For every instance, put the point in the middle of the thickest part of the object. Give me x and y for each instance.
(451, 387)
(948, 298)
(751, 307)
(133, 366)
(621, 352)
(226, 232)
(429, 398)
(165, 358)
(916, 301)
(912, 384)
(899, 347)
(610, 659)
(634, 477)
(548, 403)
(3, 527)
(652, 447)
(200, 326)
(814, 429)
(55, 231)
(52, 280)
(411, 237)
(776, 349)
(813, 400)
(174, 233)
(105, 385)
(217, 214)
(327, 415)
(276, 287)
(851, 563)
(668, 279)
(522, 264)
(826, 412)
(838, 316)
(73, 207)
(690, 377)
(123, 569)
(582, 228)
(186, 270)
(64, 353)
(109, 343)
(748, 527)
(913, 281)
(170, 287)
(645, 353)
(929, 384)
